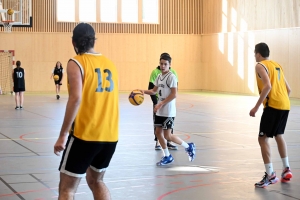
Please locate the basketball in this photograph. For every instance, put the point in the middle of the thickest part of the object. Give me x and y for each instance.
(10, 11)
(136, 97)
(56, 77)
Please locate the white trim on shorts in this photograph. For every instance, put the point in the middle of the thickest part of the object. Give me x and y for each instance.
(164, 124)
(97, 170)
(63, 166)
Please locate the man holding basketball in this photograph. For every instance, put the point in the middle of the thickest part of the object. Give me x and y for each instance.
(154, 99)
(165, 86)
(274, 93)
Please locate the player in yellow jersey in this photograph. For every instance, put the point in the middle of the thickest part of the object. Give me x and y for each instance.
(274, 93)
(89, 133)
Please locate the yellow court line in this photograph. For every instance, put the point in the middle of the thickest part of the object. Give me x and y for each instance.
(29, 138)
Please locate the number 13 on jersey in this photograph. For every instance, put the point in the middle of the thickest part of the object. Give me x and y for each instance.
(108, 78)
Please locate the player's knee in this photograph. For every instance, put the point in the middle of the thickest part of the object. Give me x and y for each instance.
(168, 136)
(262, 140)
(279, 138)
(93, 177)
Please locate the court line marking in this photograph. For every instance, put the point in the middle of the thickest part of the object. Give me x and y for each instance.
(146, 178)
(12, 189)
(44, 184)
(20, 144)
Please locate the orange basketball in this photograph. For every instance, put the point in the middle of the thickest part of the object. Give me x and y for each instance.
(56, 77)
(136, 97)
(10, 11)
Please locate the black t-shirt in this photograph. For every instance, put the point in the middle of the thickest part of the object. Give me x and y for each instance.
(58, 71)
(19, 81)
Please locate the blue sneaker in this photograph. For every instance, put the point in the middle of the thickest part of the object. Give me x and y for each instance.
(165, 160)
(191, 151)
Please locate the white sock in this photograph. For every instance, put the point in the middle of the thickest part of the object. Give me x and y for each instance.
(166, 151)
(285, 162)
(269, 168)
(184, 144)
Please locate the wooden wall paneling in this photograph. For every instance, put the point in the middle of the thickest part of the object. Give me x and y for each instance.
(259, 15)
(182, 17)
(206, 51)
(188, 66)
(278, 42)
(282, 19)
(267, 21)
(296, 13)
(294, 62)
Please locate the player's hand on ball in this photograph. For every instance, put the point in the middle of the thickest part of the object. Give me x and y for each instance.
(60, 145)
(142, 91)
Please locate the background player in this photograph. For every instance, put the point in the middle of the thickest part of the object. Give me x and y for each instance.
(18, 75)
(274, 93)
(58, 70)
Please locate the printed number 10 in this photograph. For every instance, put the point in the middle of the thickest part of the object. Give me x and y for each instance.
(108, 77)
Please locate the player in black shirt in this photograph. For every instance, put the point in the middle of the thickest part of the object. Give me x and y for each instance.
(18, 75)
(58, 70)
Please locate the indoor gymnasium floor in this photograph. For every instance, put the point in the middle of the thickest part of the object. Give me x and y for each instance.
(227, 164)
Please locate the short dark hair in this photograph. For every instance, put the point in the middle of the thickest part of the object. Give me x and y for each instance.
(83, 37)
(18, 63)
(165, 56)
(262, 49)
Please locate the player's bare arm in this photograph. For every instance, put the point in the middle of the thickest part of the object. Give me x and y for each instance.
(172, 96)
(150, 92)
(266, 88)
(75, 82)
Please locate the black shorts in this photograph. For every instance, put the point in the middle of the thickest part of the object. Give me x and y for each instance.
(164, 122)
(80, 154)
(19, 89)
(57, 82)
(273, 122)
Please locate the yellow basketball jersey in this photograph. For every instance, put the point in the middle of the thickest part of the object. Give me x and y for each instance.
(98, 115)
(278, 97)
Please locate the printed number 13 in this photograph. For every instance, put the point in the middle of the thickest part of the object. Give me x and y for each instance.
(108, 77)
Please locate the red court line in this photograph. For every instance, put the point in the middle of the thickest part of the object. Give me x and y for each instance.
(22, 138)
(25, 192)
(176, 183)
(185, 134)
(179, 189)
(191, 105)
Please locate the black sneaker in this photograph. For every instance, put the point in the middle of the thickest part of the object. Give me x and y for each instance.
(57, 96)
(171, 146)
(267, 180)
(17, 107)
(21, 107)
